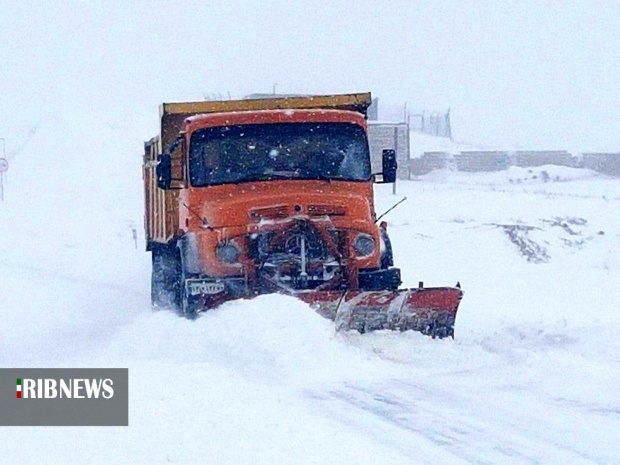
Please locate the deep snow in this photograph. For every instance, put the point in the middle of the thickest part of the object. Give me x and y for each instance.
(532, 376)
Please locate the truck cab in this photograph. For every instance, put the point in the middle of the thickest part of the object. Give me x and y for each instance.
(264, 195)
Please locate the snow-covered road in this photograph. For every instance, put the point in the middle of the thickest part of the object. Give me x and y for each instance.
(532, 376)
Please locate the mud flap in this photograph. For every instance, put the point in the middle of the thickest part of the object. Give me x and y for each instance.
(431, 311)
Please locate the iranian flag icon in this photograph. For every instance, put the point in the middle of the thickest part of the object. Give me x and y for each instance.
(18, 394)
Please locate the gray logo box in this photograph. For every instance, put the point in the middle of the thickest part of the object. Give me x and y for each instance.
(92, 411)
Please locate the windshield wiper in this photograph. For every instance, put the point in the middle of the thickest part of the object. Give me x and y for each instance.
(285, 175)
(267, 177)
(322, 177)
(282, 175)
(307, 176)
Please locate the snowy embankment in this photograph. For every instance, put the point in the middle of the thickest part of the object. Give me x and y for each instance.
(531, 376)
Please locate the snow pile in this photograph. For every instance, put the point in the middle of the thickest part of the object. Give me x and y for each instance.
(271, 339)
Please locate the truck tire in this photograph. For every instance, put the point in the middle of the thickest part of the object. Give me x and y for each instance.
(166, 278)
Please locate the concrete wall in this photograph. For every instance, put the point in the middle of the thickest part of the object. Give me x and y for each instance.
(482, 161)
(534, 158)
(428, 162)
(475, 161)
(605, 163)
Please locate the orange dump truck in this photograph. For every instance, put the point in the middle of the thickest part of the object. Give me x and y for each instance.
(275, 195)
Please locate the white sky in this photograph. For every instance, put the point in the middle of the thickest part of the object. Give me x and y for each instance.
(536, 74)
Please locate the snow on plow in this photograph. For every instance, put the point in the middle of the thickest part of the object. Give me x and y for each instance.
(431, 311)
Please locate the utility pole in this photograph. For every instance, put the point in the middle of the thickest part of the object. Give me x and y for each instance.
(396, 148)
(4, 166)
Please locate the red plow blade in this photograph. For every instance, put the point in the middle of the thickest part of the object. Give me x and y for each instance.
(431, 311)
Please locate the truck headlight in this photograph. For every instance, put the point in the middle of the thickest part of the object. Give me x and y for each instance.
(227, 252)
(364, 245)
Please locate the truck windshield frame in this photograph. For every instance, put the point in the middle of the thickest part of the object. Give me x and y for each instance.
(274, 151)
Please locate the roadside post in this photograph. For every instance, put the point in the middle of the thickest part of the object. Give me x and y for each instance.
(4, 166)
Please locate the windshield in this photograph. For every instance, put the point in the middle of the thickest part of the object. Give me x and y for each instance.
(263, 152)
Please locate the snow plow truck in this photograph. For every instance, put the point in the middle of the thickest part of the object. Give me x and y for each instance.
(275, 195)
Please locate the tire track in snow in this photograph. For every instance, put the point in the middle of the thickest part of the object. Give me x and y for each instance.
(58, 275)
(480, 435)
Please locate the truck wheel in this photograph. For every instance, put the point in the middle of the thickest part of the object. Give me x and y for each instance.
(190, 308)
(165, 278)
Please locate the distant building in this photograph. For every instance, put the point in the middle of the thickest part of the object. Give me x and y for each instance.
(385, 135)
(373, 110)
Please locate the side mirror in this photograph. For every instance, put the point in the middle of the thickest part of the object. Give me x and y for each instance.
(389, 165)
(163, 170)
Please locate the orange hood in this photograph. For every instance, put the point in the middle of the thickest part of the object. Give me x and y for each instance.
(348, 204)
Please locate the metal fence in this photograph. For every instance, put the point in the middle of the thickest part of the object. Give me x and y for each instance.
(435, 124)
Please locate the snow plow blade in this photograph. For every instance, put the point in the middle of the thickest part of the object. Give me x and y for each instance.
(431, 311)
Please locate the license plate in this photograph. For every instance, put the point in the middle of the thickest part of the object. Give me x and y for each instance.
(204, 287)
